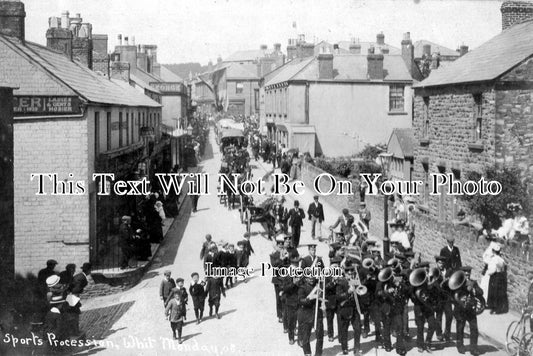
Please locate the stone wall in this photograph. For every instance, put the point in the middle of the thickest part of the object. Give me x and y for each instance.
(431, 237)
(450, 146)
(50, 226)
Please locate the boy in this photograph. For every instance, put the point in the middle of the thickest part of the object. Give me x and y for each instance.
(231, 262)
(182, 291)
(198, 294)
(167, 284)
(174, 314)
(214, 288)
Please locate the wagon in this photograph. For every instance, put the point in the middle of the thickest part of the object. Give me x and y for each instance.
(251, 213)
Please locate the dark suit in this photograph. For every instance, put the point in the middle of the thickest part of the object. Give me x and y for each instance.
(276, 261)
(79, 282)
(464, 314)
(316, 215)
(290, 305)
(307, 261)
(295, 219)
(198, 295)
(306, 316)
(347, 314)
(453, 258)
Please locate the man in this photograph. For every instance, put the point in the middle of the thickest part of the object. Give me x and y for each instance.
(347, 312)
(424, 312)
(295, 219)
(247, 250)
(279, 258)
(346, 220)
(453, 257)
(290, 299)
(79, 282)
(205, 247)
(47, 272)
(315, 212)
(444, 303)
(465, 312)
(306, 316)
(194, 197)
(364, 215)
(331, 300)
(67, 276)
(312, 260)
(124, 242)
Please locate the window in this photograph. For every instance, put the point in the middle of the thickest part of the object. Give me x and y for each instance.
(478, 117)
(425, 118)
(239, 88)
(96, 134)
(108, 124)
(120, 126)
(396, 98)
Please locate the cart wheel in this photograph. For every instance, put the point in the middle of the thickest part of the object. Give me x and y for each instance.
(513, 336)
(526, 345)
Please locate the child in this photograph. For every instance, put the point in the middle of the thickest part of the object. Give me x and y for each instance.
(180, 289)
(167, 284)
(214, 288)
(231, 262)
(198, 294)
(174, 314)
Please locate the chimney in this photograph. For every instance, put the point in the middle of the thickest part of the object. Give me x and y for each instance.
(263, 47)
(219, 60)
(265, 66)
(375, 65)
(408, 52)
(59, 39)
(336, 49)
(426, 50)
(277, 47)
(385, 50)
(291, 49)
(119, 37)
(126, 41)
(307, 50)
(100, 43)
(515, 12)
(82, 45)
(133, 40)
(65, 20)
(12, 16)
(355, 47)
(120, 70)
(463, 50)
(142, 61)
(380, 39)
(301, 38)
(325, 65)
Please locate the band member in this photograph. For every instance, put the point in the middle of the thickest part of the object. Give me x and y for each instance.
(315, 212)
(370, 304)
(279, 258)
(306, 316)
(464, 300)
(295, 220)
(391, 292)
(451, 252)
(347, 312)
(290, 300)
(331, 300)
(346, 221)
(423, 310)
(445, 303)
(312, 260)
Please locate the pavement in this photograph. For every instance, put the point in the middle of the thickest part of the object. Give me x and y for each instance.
(133, 323)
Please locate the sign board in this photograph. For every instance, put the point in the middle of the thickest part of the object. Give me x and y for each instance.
(169, 87)
(46, 105)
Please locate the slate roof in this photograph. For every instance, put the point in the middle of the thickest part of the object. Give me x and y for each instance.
(143, 84)
(346, 67)
(241, 71)
(406, 139)
(489, 61)
(435, 47)
(168, 76)
(74, 77)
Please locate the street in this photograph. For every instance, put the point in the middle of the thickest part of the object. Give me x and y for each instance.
(133, 322)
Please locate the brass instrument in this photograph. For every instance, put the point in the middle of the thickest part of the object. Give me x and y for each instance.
(463, 298)
(368, 263)
(433, 276)
(385, 274)
(418, 279)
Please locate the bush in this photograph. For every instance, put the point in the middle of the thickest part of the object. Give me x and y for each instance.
(371, 152)
(324, 165)
(491, 207)
(342, 168)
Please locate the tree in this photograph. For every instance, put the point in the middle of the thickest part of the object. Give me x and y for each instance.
(491, 207)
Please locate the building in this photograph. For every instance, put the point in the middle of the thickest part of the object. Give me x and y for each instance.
(69, 121)
(401, 144)
(476, 112)
(356, 46)
(7, 212)
(335, 104)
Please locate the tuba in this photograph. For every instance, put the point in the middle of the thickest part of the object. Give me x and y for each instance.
(418, 279)
(433, 276)
(464, 299)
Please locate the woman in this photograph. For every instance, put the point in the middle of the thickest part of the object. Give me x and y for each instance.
(497, 270)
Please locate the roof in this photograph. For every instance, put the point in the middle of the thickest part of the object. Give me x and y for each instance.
(72, 74)
(406, 139)
(346, 67)
(489, 61)
(241, 71)
(169, 76)
(248, 55)
(444, 51)
(143, 84)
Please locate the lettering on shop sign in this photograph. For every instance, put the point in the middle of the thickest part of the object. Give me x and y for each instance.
(168, 87)
(46, 105)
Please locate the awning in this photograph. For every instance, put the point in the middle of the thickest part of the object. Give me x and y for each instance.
(281, 128)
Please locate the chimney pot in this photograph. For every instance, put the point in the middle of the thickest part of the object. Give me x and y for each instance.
(126, 40)
(119, 38)
(380, 39)
(408, 52)
(277, 47)
(407, 36)
(385, 50)
(463, 50)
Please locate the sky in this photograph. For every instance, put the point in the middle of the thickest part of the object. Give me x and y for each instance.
(202, 30)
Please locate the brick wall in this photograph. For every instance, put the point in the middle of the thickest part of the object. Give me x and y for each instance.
(515, 12)
(431, 237)
(50, 226)
(450, 141)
